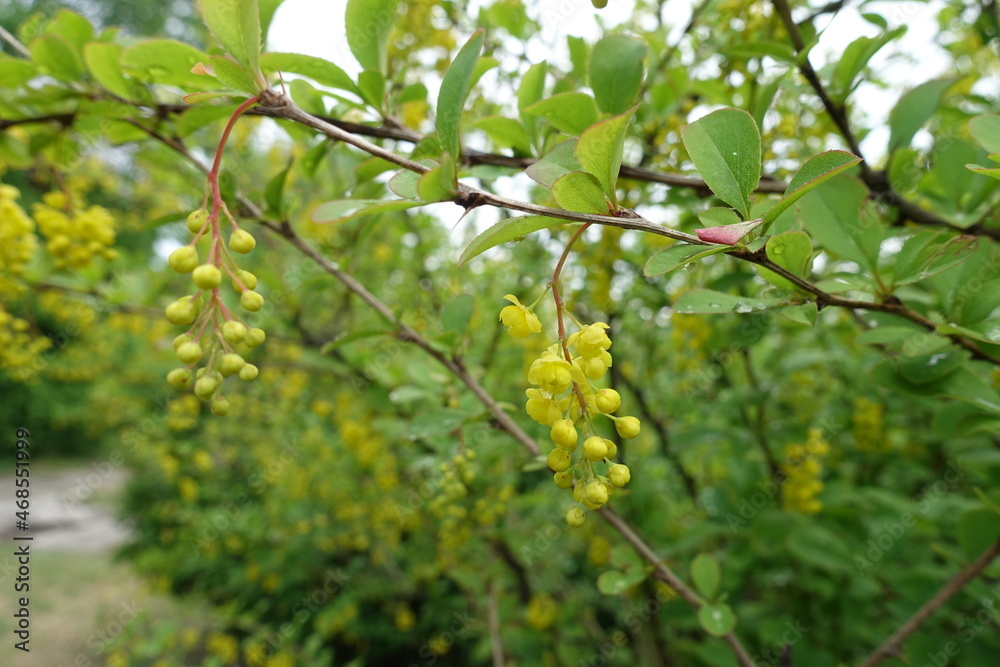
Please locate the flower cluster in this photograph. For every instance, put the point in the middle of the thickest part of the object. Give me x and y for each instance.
(17, 240)
(868, 430)
(215, 334)
(75, 234)
(565, 398)
(803, 468)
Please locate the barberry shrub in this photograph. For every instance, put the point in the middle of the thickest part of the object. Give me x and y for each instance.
(699, 366)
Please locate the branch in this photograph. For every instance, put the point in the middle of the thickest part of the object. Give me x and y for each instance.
(891, 646)
(457, 367)
(14, 42)
(876, 181)
(468, 196)
(496, 642)
(667, 576)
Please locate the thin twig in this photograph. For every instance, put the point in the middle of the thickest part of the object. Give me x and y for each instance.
(14, 42)
(892, 646)
(496, 642)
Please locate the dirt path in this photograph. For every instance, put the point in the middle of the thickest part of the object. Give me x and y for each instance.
(80, 597)
(71, 510)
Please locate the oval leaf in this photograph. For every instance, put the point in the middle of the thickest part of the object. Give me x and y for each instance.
(725, 148)
(507, 230)
(599, 151)
(571, 113)
(368, 24)
(616, 72)
(674, 257)
(709, 301)
(558, 162)
(717, 620)
(237, 25)
(706, 575)
(580, 191)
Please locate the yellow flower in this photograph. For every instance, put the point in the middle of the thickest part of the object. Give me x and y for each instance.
(553, 374)
(591, 340)
(543, 408)
(520, 321)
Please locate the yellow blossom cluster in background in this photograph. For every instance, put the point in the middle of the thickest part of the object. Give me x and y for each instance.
(803, 468)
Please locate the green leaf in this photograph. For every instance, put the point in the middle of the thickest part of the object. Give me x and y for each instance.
(72, 27)
(455, 88)
(580, 191)
(817, 169)
(55, 56)
(571, 113)
(854, 59)
(599, 151)
(323, 72)
(371, 85)
(558, 162)
(914, 108)
(368, 24)
(438, 184)
(931, 367)
(776, 50)
(709, 301)
(815, 545)
(987, 332)
(274, 193)
(350, 338)
(978, 529)
(437, 424)
(15, 73)
(232, 74)
(805, 313)
(986, 131)
(717, 619)
(405, 182)
(792, 251)
(616, 64)
(506, 230)
(718, 216)
(456, 313)
(531, 90)
(505, 132)
(725, 148)
(992, 172)
(706, 575)
(103, 59)
(676, 256)
(341, 210)
(927, 253)
(833, 216)
(313, 158)
(962, 384)
(167, 62)
(616, 582)
(237, 25)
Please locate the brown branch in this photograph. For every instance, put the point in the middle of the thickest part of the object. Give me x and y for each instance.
(892, 646)
(285, 108)
(876, 181)
(667, 576)
(457, 367)
(496, 642)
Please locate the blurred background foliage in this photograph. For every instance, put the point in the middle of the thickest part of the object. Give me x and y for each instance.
(358, 506)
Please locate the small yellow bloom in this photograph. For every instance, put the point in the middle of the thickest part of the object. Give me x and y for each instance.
(553, 374)
(520, 321)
